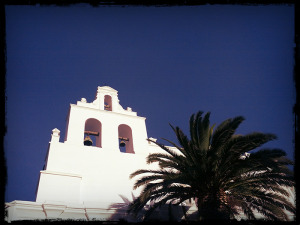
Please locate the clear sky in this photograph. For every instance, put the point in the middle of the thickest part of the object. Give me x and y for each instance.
(165, 62)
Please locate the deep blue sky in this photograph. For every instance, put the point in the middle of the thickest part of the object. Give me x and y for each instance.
(166, 63)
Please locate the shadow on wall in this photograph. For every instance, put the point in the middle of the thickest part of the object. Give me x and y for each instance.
(168, 212)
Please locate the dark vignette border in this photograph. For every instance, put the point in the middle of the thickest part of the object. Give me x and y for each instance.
(144, 3)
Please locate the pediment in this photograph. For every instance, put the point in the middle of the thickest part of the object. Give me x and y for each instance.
(108, 89)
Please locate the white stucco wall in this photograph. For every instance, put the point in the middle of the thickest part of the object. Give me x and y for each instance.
(102, 174)
(110, 122)
(58, 186)
(91, 178)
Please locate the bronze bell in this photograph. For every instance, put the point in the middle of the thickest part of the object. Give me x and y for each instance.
(88, 141)
(106, 106)
(122, 143)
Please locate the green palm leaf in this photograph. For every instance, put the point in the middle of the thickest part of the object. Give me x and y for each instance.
(211, 167)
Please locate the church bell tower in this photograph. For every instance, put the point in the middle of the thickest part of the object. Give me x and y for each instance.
(104, 124)
(86, 176)
(103, 144)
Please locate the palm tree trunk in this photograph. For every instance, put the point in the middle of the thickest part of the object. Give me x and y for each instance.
(212, 207)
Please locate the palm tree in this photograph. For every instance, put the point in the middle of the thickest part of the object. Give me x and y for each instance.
(216, 170)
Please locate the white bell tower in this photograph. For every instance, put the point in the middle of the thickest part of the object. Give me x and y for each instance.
(106, 123)
(103, 145)
(86, 176)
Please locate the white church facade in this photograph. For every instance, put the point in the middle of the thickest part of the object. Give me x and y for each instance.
(86, 176)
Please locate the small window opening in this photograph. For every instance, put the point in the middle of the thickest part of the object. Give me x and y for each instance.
(92, 133)
(125, 139)
(107, 103)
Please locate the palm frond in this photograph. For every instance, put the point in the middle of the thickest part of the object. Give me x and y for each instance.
(224, 132)
(208, 167)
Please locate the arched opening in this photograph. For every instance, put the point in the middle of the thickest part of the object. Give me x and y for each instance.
(125, 139)
(92, 133)
(107, 103)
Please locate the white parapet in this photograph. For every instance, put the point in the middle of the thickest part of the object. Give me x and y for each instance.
(55, 135)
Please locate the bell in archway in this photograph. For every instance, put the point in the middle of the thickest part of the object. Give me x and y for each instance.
(88, 141)
(122, 143)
